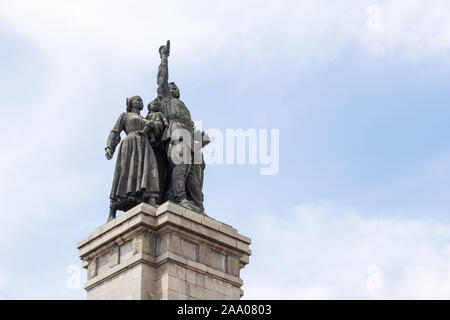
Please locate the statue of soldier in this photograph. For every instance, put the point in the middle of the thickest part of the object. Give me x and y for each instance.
(186, 168)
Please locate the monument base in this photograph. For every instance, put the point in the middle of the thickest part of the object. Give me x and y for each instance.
(164, 253)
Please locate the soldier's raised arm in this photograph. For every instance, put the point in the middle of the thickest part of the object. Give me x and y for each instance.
(163, 72)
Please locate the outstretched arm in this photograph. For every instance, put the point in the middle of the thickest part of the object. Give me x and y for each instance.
(114, 137)
(163, 72)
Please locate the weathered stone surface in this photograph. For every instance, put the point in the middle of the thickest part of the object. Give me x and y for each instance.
(218, 260)
(189, 250)
(114, 256)
(92, 268)
(174, 244)
(143, 257)
(126, 251)
(244, 239)
(204, 255)
(137, 245)
(233, 266)
(192, 215)
(209, 222)
(102, 264)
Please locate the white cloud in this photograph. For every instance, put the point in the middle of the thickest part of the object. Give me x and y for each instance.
(8, 280)
(327, 252)
(297, 32)
(48, 283)
(36, 177)
(410, 29)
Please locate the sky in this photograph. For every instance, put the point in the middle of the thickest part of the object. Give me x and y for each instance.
(358, 92)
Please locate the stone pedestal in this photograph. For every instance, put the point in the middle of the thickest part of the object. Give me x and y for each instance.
(167, 252)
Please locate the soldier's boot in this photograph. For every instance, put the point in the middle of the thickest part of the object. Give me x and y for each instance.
(112, 213)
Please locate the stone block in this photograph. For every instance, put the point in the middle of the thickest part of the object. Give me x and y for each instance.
(190, 276)
(244, 259)
(197, 266)
(174, 244)
(108, 226)
(162, 243)
(216, 273)
(218, 260)
(208, 232)
(189, 249)
(121, 219)
(164, 253)
(233, 265)
(169, 294)
(102, 264)
(209, 294)
(235, 292)
(204, 255)
(193, 290)
(114, 256)
(182, 287)
(169, 207)
(229, 230)
(181, 272)
(92, 268)
(200, 280)
(137, 245)
(243, 246)
(95, 234)
(191, 215)
(166, 268)
(172, 294)
(192, 226)
(219, 286)
(209, 282)
(83, 242)
(122, 228)
(135, 221)
(168, 282)
(244, 238)
(228, 290)
(134, 211)
(148, 209)
(148, 274)
(211, 223)
(227, 240)
(126, 251)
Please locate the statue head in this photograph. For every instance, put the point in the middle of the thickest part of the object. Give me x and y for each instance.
(154, 106)
(174, 91)
(134, 103)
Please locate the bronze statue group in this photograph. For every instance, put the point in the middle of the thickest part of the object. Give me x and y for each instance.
(160, 158)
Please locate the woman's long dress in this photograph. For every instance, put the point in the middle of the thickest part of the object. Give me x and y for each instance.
(136, 172)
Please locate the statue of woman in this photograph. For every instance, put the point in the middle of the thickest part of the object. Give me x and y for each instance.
(136, 173)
